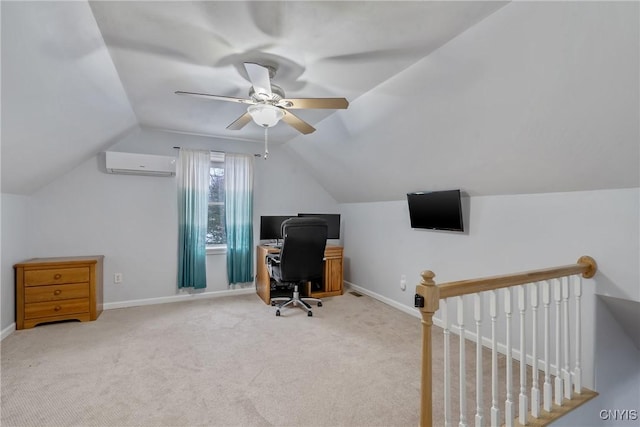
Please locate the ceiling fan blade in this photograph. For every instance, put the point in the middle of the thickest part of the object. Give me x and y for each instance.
(315, 103)
(259, 77)
(216, 97)
(240, 122)
(297, 123)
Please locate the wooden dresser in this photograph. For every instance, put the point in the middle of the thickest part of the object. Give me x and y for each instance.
(52, 289)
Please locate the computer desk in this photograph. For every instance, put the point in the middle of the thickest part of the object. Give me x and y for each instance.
(331, 282)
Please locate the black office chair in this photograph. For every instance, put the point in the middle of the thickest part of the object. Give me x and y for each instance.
(300, 260)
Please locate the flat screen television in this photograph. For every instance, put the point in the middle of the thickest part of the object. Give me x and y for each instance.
(436, 210)
(333, 221)
(270, 227)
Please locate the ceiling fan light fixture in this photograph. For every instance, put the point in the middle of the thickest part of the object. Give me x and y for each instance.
(265, 115)
(269, 104)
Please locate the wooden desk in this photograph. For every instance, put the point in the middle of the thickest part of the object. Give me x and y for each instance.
(331, 281)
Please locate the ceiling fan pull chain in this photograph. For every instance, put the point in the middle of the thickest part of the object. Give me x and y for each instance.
(266, 142)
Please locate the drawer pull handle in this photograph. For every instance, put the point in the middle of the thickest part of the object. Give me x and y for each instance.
(57, 276)
(57, 292)
(57, 308)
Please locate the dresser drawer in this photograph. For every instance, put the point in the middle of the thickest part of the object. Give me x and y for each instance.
(56, 275)
(56, 308)
(56, 292)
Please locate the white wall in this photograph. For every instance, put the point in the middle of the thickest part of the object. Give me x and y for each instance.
(132, 220)
(281, 185)
(504, 234)
(62, 97)
(13, 233)
(617, 376)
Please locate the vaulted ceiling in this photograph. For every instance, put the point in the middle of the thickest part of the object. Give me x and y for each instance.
(490, 97)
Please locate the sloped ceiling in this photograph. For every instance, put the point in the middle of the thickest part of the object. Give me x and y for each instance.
(62, 100)
(489, 97)
(538, 97)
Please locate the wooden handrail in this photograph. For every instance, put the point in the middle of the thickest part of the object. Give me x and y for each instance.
(585, 266)
(428, 296)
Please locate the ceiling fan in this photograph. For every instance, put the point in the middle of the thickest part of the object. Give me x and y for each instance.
(267, 102)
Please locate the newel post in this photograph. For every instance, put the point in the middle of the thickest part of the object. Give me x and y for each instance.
(427, 301)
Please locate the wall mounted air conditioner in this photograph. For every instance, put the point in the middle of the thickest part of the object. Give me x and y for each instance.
(139, 164)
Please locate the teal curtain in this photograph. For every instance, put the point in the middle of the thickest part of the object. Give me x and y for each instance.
(238, 176)
(193, 188)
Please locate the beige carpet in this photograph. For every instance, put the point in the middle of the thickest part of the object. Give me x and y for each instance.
(223, 362)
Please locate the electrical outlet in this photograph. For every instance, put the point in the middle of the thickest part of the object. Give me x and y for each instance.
(117, 278)
(403, 282)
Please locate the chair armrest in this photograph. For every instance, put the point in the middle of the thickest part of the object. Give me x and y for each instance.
(272, 259)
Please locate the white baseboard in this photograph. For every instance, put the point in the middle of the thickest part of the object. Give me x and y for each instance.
(409, 310)
(470, 335)
(177, 298)
(7, 331)
(151, 301)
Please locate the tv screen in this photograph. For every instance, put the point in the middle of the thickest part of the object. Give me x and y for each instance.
(270, 227)
(333, 221)
(436, 210)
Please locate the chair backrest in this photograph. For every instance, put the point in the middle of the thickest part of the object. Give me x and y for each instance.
(302, 253)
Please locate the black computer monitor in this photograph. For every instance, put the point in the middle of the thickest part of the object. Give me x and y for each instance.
(270, 227)
(333, 221)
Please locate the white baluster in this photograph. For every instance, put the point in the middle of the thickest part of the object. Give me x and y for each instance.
(477, 299)
(577, 377)
(493, 312)
(523, 403)
(566, 370)
(463, 371)
(557, 297)
(444, 307)
(508, 406)
(535, 392)
(546, 300)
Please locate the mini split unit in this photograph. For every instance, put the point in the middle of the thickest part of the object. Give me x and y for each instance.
(139, 164)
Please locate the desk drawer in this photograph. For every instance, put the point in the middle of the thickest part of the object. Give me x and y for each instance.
(56, 292)
(56, 308)
(56, 275)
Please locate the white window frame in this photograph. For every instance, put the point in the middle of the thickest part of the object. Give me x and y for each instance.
(219, 248)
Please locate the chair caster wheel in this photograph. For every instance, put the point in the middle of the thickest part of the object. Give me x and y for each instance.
(309, 314)
(319, 303)
(273, 303)
(278, 313)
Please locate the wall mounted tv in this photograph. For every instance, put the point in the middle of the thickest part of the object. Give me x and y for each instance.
(333, 221)
(436, 210)
(270, 226)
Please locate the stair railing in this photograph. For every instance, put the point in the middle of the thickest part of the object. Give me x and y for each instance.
(567, 389)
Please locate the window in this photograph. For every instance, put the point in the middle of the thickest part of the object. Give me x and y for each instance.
(216, 235)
